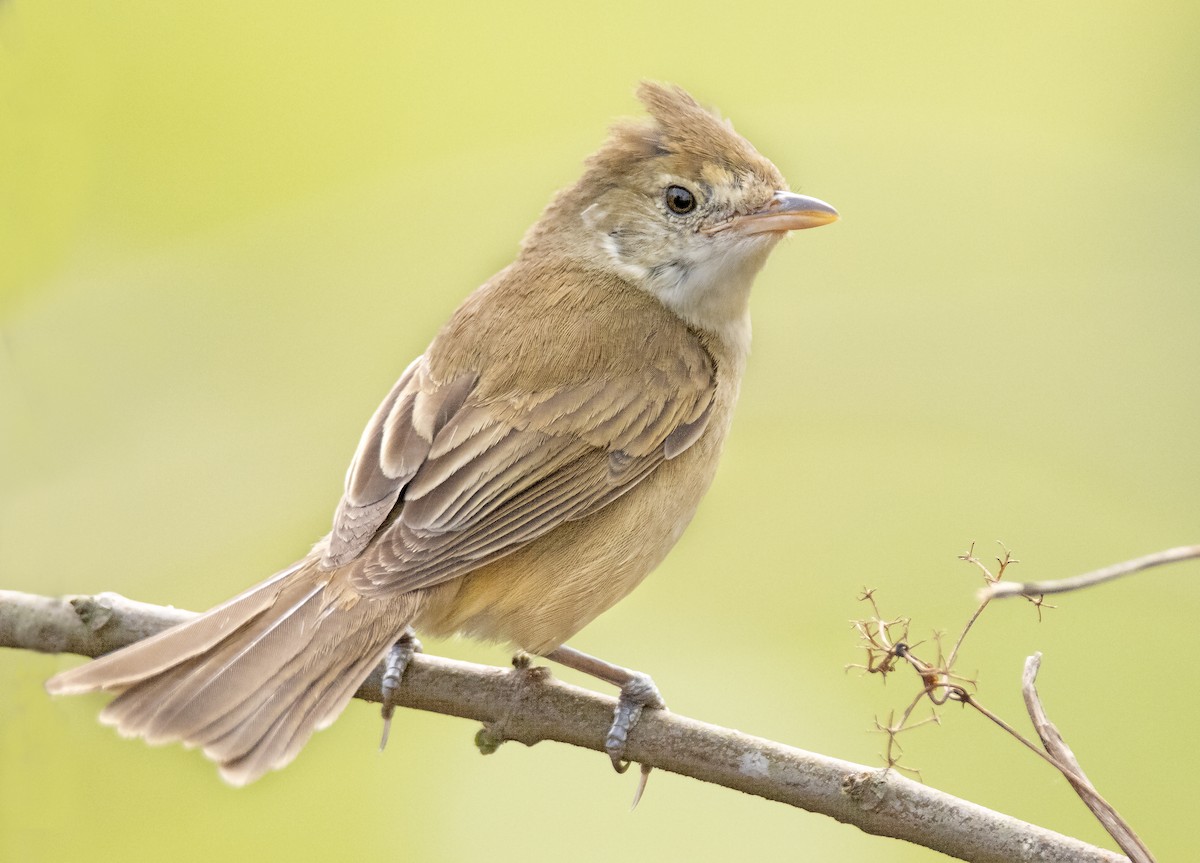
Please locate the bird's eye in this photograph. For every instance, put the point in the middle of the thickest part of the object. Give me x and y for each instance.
(680, 200)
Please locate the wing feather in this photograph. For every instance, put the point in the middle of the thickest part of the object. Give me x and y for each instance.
(465, 461)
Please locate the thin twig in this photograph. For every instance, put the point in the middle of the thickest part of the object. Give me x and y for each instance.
(1108, 573)
(877, 801)
(1064, 769)
(991, 580)
(1116, 826)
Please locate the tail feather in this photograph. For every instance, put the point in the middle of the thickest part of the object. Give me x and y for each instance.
(234, 669)
(245, 719)
(302, 685)
(250, 681)
(230, 734)
(144, 658)
(316, 709)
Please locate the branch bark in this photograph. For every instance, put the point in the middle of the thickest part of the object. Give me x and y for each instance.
(530, 709)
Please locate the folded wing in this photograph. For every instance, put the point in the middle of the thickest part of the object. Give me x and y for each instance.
(450, 475)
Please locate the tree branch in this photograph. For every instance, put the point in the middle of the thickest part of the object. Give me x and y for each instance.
(531, 709)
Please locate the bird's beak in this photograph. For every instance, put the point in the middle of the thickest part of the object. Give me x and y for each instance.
(786, 211)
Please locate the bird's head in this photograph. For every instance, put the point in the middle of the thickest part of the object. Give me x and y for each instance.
(679, 205)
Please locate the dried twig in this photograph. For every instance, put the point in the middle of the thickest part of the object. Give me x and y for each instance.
(992, 580)
(940, 684)
(1108, 573)
(886, 643)
(1058, 749)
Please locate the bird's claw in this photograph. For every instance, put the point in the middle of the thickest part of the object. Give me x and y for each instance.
(394, 665)
(638, 693)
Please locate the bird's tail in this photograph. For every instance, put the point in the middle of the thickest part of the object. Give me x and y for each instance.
(252, 679)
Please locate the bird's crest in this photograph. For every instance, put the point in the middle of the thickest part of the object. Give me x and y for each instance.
(678, 127)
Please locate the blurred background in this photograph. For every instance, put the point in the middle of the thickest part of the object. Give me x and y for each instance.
(225, 230)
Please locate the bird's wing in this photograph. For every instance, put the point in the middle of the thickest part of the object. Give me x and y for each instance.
(449, 475)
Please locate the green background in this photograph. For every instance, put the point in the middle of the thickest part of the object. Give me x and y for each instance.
(225, 228)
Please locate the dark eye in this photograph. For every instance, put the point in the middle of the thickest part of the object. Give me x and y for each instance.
(680, 200)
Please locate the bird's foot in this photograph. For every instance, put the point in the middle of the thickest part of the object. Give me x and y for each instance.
(394, 665)
(636, 695)
(638, 692)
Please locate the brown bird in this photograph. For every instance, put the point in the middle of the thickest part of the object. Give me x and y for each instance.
(524, 474)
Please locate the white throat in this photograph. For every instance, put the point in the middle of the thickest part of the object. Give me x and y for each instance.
(713, 293)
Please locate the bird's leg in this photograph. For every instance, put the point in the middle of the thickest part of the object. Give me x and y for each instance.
(394, 664)
(637, 693)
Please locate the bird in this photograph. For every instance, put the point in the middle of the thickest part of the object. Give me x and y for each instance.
(523, 475)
